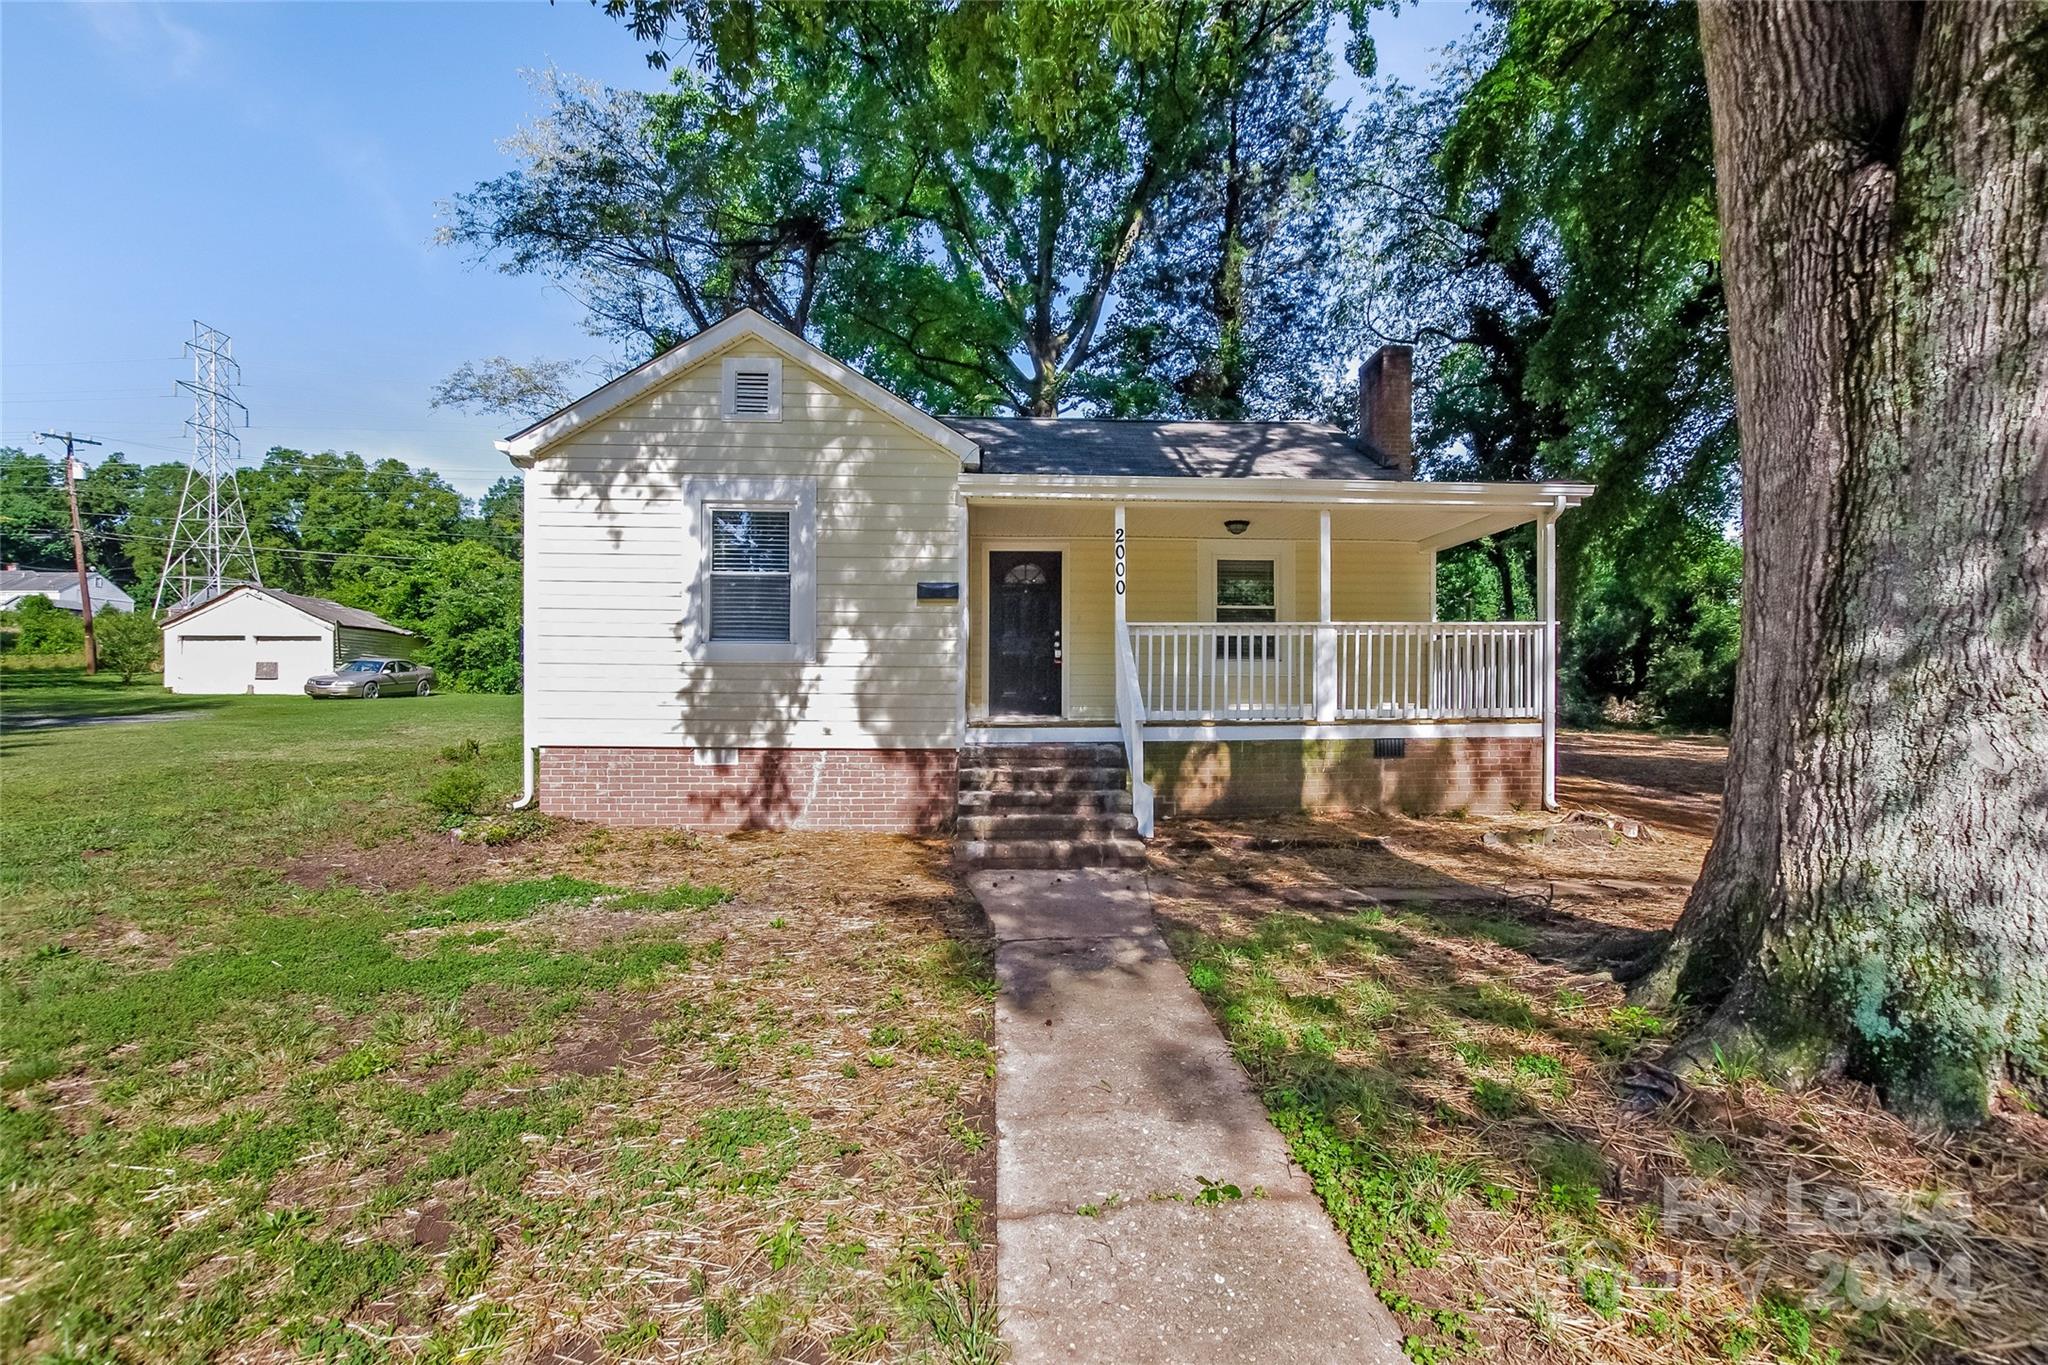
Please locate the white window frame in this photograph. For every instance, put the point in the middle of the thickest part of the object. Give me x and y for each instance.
(799, 498)
(1281, 552)
(728, 387)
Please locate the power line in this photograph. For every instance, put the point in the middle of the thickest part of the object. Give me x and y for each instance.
(146, 539)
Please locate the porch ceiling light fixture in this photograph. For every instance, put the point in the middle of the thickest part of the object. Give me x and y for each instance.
(1237, 526)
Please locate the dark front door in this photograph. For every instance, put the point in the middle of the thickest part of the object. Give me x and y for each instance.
(1024, 632)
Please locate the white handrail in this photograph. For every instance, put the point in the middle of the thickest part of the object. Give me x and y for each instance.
(1385, 670)
(1130, 716)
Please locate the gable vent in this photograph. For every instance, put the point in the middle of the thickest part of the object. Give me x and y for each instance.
(753, 389)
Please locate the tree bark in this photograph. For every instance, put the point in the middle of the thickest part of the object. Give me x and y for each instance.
(1876, 898)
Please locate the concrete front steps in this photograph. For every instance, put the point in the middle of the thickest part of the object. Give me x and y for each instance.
(1046, 806)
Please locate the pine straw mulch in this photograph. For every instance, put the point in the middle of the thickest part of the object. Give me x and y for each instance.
(1426, 1006)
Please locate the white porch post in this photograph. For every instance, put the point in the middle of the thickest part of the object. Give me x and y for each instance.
(1122, 612)
(1326, 633)
(1546, 612)
(961, 519)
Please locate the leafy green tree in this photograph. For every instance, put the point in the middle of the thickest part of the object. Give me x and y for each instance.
(1546, 237)
(41, 627)
(1235, 303)
(947, 195)
(129, 642)
(1874, 901)
(463, 598)
(34, 521)
(500, 515)
(504, 386)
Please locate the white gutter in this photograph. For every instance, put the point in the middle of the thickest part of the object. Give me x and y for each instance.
(1269, 488)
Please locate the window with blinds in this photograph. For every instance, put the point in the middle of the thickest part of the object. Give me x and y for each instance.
(1245, 591)
(750, 581)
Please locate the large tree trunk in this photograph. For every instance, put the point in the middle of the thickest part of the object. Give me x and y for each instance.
(1877, 896)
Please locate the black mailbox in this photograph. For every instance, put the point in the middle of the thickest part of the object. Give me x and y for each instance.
(938, 592)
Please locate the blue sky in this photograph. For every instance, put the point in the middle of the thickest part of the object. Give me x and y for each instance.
(273, 170)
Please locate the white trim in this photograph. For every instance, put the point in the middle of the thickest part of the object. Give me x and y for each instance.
(1546, 612)
(1065, 550)
(1503, 729)
(330, 627)
(963, 569)
(983, 732)
(982, 735)
(798, 497)
(1281, 552)
(1533, 497)
(729, 387)
(525, 447)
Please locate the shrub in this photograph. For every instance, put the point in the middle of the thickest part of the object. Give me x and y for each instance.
(129, 642)
(45, 628)
(459, 791)
(462, 750)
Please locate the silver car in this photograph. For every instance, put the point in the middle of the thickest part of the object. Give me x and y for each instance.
(373, 678)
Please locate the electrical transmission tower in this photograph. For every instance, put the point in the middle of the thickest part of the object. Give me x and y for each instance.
(209, 550)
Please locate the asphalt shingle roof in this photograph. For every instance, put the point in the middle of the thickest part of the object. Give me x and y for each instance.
(1202, 450)
(318, 607)
(35, 580)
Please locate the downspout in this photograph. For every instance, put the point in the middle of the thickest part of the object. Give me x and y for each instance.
(529, 752)
(530, 762)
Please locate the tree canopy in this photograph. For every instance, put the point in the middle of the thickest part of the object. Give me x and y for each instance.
(952, 197)
(376, 534)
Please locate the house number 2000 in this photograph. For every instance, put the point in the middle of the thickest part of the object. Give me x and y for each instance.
(1119, 561)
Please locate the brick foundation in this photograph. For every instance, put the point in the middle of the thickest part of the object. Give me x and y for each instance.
(881, 790)
(1268, 777)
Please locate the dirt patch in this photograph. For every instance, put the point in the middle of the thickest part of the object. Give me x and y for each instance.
(117, 941)
(1670, 781)
(433, 861)
(572, 1348)
(432, 1228)
(604, 1038)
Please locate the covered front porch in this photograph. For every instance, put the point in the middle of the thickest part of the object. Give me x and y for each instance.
(1204, 616)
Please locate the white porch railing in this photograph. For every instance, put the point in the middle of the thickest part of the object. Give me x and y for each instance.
(1130, 715)
(1343, 671)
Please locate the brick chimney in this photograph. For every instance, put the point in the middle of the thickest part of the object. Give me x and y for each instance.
(1386, 406)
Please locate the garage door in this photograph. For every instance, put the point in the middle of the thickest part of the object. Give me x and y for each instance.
(213, 663)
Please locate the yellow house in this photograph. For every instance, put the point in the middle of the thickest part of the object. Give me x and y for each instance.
(761, 590)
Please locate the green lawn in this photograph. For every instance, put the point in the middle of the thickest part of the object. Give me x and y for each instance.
(288, 1070)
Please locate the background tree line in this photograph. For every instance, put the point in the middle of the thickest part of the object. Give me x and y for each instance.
(376, 534)
(1159, 209)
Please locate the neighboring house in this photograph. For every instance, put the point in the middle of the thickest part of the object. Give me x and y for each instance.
(61, 587)
(761, 590)
(253, 639)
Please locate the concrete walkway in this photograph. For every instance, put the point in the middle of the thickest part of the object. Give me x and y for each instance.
(1115, 1092)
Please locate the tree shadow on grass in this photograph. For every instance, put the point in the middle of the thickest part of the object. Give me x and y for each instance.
(1449, 1072)
(35, 697)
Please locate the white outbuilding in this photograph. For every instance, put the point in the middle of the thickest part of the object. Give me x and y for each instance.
(251, 639)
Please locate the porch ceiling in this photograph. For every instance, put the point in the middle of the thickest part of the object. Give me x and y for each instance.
(1433, 515)
(1432, 526)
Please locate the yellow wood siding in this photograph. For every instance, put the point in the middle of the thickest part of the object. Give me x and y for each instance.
(1371, 580)
(609, 615)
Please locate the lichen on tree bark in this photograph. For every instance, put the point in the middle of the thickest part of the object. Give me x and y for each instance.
(1877, 896)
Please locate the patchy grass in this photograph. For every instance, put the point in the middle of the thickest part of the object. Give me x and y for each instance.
(290, 1072)
(1445, 1058)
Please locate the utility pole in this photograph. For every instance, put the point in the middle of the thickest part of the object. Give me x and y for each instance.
(92, 653)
